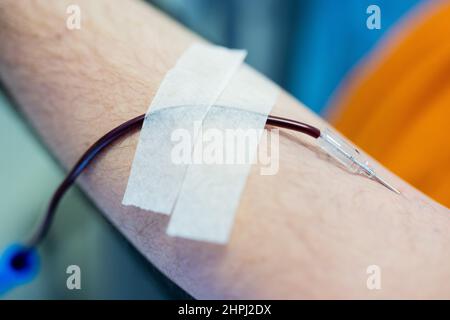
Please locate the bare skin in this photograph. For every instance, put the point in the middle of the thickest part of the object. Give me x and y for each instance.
(309, 231)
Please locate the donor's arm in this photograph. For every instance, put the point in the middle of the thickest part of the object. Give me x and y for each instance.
(310, 231)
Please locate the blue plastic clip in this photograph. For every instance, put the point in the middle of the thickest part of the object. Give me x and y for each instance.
(18, 265)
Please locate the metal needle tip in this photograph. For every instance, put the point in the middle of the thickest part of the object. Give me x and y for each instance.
(384, 183)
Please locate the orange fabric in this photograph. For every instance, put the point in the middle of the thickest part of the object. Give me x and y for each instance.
(397, 107)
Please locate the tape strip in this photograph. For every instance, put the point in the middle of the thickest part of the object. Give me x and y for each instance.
(211, 192)
(186, 94)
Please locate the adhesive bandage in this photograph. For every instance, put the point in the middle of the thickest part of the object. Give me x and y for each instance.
(208, 93)
(210, 195)
(185, 96)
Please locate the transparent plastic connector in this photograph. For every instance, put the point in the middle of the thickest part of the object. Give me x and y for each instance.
(348, 156)
(343, 152)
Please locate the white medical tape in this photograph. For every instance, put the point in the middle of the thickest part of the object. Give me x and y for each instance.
(210, 194)
(184, 97)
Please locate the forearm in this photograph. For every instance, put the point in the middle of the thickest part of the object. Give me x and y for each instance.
(309, 231)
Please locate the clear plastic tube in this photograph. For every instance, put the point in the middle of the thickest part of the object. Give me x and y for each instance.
(348, 156)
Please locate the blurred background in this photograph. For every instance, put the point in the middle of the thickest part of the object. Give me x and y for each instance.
(386, 88)
(306, 46)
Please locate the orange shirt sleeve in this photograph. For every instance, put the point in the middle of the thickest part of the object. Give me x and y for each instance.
(397, 106)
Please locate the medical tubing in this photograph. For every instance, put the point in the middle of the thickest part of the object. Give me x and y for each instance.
(108, 139)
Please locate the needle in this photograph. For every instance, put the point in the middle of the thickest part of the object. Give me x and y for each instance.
(384, 183)
(349, 156)
(369, 172)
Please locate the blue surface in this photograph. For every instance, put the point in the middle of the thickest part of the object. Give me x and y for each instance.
(331, 38)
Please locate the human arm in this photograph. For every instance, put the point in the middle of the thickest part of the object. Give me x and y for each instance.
(309, 231)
